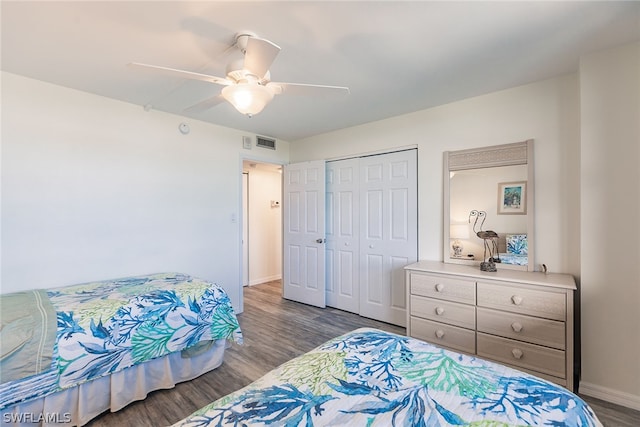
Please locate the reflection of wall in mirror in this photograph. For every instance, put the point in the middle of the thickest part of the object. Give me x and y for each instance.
(478, 189)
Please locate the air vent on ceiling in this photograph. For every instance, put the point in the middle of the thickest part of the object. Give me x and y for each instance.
(264, 142)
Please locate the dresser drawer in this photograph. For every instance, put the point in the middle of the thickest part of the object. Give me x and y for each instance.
(446, 288)
(549, 333)
(452, 313)
(444, 335)
(548, 304)
(528, 356)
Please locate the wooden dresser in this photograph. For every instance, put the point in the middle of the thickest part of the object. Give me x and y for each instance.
(517, 318)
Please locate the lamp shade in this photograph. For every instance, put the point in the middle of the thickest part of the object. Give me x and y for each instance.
(248, 98)
(459, 231)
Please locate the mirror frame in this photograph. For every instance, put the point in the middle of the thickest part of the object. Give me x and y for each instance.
(518, 153)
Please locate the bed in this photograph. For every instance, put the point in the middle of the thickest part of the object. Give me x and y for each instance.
(373, 378)
(71, 353)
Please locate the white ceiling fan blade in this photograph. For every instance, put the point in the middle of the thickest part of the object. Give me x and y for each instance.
(259, 56)
(205, 105)
(307, 89)
(181, 73)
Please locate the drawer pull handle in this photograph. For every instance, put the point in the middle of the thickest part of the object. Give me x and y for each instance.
(516, 300)
(439, 287)
(439, 311)
(439, 333)
(517, 327)
(517, 353)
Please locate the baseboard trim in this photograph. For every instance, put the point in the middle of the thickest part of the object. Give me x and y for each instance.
(265, 279)
(610, 395)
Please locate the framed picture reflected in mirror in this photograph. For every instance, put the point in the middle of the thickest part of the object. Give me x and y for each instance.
(512, 198)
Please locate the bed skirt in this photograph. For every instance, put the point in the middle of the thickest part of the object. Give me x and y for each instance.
(76, 406)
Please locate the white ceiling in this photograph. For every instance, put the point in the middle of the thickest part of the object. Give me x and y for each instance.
(395, 56)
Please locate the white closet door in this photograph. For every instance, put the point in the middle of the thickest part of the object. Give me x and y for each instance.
(343, 281)
(388, 233)
(304, 233)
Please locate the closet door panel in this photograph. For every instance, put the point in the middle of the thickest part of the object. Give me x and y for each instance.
(388, 189)
(343, 205)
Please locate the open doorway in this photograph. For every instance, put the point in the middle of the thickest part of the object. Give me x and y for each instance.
(262, 222)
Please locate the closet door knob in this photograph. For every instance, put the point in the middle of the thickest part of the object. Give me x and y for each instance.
(517, 353)
(319, 240)
(516, 300)
(439, 311)
(439, 333)
(517, 327)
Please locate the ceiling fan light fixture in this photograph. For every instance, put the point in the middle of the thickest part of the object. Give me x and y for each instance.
(247, 98)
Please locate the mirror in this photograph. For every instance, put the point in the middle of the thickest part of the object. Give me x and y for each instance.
(488, 207)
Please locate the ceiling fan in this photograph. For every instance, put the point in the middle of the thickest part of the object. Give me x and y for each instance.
(248, 86)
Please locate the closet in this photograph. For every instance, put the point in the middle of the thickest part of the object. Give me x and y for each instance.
(371, 233)
(350, 227)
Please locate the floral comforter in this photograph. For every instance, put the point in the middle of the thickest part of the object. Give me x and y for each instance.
(104, 327)
(374, 378)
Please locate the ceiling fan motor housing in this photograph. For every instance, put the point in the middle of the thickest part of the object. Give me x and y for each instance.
(235, 71)
(242, 38)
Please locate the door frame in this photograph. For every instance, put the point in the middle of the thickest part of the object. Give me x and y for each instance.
(244, 238)
(242, 159)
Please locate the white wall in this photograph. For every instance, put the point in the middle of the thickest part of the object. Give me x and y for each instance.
(610, 196)
(545, 111)
(265, 226)
(94, 188)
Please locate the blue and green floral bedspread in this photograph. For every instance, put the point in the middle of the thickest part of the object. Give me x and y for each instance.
(104, 327)
(374, 378)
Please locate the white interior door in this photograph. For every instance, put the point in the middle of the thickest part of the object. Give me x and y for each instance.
(304, 233)
(388, 232)
(343, 273)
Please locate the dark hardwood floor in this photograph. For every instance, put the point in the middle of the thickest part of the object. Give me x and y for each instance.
(275, 330)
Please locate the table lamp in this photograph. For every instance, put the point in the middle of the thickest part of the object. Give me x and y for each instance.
(457, 232)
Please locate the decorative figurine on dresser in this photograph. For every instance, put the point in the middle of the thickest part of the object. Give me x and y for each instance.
(490, 239)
